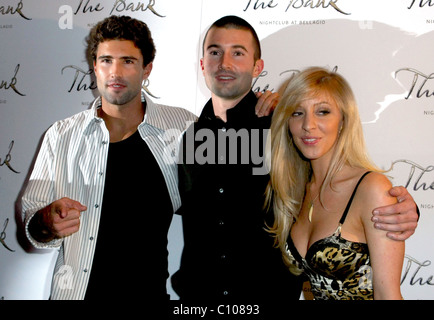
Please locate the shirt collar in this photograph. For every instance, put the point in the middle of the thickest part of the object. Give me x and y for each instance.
(242, 111)
(152, 117)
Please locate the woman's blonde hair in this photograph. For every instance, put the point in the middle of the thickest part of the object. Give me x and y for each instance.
(289, 171)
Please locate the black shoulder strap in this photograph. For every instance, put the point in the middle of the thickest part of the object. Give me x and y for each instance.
(344, 216)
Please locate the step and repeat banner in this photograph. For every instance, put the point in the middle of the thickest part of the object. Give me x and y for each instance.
(384, 48)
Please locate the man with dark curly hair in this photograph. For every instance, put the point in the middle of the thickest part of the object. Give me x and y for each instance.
(102, 189)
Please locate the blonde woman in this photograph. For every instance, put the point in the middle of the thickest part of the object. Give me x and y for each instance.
(325, 230)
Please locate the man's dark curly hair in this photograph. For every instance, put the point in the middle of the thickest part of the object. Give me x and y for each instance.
(122, 28)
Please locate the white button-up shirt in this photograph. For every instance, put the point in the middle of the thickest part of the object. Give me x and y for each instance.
(72, 163)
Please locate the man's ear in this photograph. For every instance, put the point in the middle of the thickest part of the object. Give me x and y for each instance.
(147, 70)
(259, 66)
(201, 64)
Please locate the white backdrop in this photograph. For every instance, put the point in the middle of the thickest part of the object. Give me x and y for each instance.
(383, 47)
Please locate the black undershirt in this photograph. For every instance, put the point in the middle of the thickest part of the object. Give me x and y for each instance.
(130, 260)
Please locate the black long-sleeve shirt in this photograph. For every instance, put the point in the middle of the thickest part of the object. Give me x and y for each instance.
(227, 252)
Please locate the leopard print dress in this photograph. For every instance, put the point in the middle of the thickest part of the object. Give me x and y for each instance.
(337, 269)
